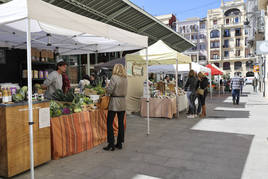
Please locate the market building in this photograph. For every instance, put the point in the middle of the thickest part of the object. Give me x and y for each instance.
(195, 29)
(227, 38)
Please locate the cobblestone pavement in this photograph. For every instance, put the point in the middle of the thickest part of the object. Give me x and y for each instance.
(229, 144)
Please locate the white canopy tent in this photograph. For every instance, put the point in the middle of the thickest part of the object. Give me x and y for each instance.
(158, 53)
(171, 69)
(35, 23)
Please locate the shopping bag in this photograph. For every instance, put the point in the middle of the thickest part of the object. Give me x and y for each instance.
(104, 102)
(200, 91)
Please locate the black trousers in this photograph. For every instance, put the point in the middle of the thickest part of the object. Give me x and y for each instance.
(110, 129)
(201, 101)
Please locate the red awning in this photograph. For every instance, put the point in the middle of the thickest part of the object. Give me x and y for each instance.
(214, 71)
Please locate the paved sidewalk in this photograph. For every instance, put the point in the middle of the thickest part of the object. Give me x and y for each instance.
(213, 148)
(250, 117)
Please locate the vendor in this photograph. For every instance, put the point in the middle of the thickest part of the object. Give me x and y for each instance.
(92, 80)
(54, 80)
(84, 82)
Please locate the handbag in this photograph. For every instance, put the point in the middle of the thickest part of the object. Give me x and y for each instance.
(200, 91)
(104, 102)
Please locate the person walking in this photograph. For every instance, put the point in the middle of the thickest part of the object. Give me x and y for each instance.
(255, 84)
(117, 89)
(202, 94)
(190, 87)
(236, 86)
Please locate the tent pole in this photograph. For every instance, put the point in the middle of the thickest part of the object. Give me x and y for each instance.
(210, 84)
(30, 104)
(176, 90)
(88, 64)
(219, 85)
(148, 94)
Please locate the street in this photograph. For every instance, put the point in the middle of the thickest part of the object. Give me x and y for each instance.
(230, 143)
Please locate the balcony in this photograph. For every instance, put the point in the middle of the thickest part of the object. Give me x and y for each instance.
(227, 35)
(214, 47)
(238, 34)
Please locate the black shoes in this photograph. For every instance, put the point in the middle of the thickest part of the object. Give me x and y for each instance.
(109, 147)
(119, 146)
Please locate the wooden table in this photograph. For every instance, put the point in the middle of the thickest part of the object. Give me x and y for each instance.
(79, 132)
(15, 142)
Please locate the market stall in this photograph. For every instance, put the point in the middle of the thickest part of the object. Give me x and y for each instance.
(182, 69)
(158, 53)
(35, 23)
(215, 71)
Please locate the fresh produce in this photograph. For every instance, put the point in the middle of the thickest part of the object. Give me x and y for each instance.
(95, 90)
(17, 97)
(60, 96)
(55, 109)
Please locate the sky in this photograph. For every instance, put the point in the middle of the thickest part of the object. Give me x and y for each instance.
(183, 9)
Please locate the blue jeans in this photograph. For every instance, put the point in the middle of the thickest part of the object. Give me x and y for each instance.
(236, 95)
(191, 99)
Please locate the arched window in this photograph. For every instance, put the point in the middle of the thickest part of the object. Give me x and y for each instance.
(217, 64)
(214, 33)
(233, 11)
(249, 65)
(237, 65)
(226, 66)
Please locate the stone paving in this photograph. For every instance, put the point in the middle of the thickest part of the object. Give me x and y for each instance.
(216, 147)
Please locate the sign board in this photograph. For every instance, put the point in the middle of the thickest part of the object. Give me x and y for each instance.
(44, 117)
(129, 68)
(137, 70)
(262, 47)
(256, 68)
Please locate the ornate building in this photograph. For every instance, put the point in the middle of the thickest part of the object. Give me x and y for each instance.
(227, 38)
(195, 29)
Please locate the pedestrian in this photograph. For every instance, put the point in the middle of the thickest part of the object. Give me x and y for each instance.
(202, 87)
(54, 80)
(236, 87)
(117, 89)
(190, 87)
(255, 84)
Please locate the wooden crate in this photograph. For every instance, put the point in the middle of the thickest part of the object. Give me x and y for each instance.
(15, 142)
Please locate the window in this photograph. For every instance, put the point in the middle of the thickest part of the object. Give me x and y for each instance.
(202, 58)
(214, 44)
(237, 42)
(236, 20)
(226, 66)
(246, 31)
(202, 36)
(187, 37)
(226, 44)
(237, 65)
(203, 25)
(226, 33)
(217, 64)
(226, 53)
(237, 53)
(214, 34)
(249, 65)
(227, 21)
(215, 56)
(194, 58)
(238, 32)
(202, 47)
(214, 22)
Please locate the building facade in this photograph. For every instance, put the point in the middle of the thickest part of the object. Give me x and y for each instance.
(195, 29)
(228, 38)
(169, 20)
